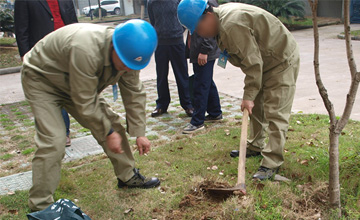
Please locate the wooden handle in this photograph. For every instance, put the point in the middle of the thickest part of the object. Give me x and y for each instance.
(242, 148)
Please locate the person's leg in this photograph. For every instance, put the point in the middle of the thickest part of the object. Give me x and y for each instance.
(66, 118)
(50, 140)
(124, 163)
(279, 91)
(180, 68)
(258, 124)
(213, 105)
(67, 125)
(162, 72)
(202, 83)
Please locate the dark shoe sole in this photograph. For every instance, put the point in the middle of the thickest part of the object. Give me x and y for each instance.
(140, 187)
(157, 114)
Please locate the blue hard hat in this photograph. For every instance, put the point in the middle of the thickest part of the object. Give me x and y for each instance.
(190, 11)
(135, 41)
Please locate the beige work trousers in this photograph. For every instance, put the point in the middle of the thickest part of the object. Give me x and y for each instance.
(46, 102)
(272, 111)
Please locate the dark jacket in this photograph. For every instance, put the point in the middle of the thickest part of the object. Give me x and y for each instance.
(33, 21)
(202, 45)
(163, 16)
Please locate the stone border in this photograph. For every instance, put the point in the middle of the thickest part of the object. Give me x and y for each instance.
(10, 70)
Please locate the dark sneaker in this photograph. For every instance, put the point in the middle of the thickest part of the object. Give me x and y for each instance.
(157, 112)
(249, 153)
(139, 181)
(189, 112)
(192, 128)
(211, 118)
(264, 173)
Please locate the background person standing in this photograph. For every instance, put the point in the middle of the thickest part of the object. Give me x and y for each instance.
(34, 19)
(203, 53)
(163, 16)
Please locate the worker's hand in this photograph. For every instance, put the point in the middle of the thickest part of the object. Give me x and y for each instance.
(143, 145)
(113, 142)
(249, 105)
(202, 59)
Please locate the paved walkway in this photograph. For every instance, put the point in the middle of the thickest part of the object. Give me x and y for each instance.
(333, 66)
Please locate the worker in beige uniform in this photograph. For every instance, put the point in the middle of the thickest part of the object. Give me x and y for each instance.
(257, 42)
(69, 68)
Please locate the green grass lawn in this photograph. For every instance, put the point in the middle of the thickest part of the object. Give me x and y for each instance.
(7, 41)
(355, 33)
(9, 57)
(184, 164)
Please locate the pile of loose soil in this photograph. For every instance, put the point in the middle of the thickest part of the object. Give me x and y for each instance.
(199, 198)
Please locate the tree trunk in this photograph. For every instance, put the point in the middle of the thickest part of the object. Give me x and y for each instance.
(334, 184)
(100, 15)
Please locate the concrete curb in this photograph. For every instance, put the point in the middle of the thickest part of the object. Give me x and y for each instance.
(342, 36)
(10, 70)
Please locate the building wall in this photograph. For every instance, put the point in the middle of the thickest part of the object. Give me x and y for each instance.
(330, 8)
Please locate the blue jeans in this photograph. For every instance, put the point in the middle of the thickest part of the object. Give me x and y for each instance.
(66, 120)
(176, 55)
(206, 96)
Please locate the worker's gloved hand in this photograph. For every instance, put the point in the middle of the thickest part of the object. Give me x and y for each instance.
(202, 59)
(143, 145)
(249, 105)
(113, 142)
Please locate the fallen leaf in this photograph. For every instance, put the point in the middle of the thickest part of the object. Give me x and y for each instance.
(11, 193)
(317, 118)
(128, 211)
(76, 200)
(304, 162)
(208, 168)
(168, 163)
(227, 132)
(260, 186)
(286, 150)
(13, 212)
(234, 137)
(291, 129)
(298, 122)
(214, 167)
(221, 173)
(343, 133)
(162, 190)
(180, 148)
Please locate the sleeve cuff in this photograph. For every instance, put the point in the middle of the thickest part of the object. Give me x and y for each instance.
(250, 95)
(138, 131)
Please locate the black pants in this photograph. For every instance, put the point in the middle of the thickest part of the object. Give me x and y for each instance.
(206, 96)
(176, 55)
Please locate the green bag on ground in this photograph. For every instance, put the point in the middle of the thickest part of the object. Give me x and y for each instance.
(63, 209)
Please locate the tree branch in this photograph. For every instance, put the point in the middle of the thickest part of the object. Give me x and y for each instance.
(355, 76)
(322, 90)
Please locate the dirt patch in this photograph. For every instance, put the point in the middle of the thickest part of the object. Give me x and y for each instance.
(199, 199)
(311, 204)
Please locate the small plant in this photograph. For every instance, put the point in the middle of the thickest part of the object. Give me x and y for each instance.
(6, 156)
(281, 8)
(28, 151)
(103, 12)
